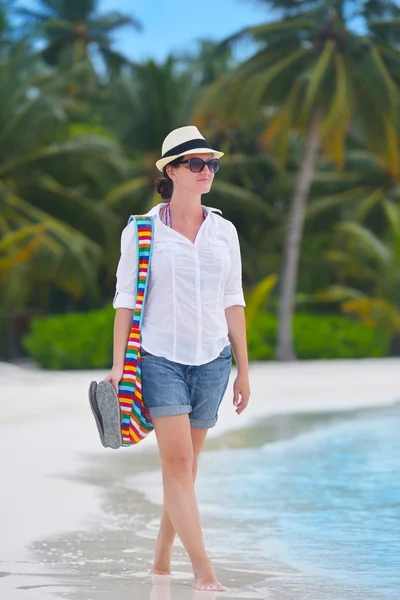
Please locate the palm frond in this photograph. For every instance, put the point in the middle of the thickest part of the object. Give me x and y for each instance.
(276, 134)
(387, 83)
(114, 20)
(392, 212)
(244, 197)
(54, 236)
(338, 293)
(368, 204)
(58, 27)
(130, 187)
(256, 299)
(82, 145)
(114, 60)
(34, 15)
(387, 51)
(255, 90)
(367, 240)
(327, 203)
(280, 26)
(316, 76)
(342, 104)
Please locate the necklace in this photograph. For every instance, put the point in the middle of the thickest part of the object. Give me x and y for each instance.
(165, 215)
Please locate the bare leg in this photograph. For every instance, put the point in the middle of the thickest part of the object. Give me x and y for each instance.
(166, 536)
(177, 458)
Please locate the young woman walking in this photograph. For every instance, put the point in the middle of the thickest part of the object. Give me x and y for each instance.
(194, 316)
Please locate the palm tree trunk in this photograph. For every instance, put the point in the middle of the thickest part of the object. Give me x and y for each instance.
(293, 238)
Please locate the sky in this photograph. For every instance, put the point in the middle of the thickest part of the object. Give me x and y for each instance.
(175, 25)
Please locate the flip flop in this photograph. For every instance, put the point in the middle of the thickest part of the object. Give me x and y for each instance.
(109, 408)
(95, 410)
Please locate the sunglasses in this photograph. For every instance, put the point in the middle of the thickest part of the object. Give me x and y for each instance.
(196, 165)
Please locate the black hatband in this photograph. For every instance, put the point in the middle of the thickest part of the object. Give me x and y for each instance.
(186, 146)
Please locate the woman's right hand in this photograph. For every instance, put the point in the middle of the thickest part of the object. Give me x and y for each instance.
(115, 376)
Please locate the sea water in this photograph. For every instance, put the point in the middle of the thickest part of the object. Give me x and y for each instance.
(326, 502)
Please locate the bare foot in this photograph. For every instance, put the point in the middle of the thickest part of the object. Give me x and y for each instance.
(162, 560)
(208, 584)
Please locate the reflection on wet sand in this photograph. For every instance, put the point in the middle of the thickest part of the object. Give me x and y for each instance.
(161, 590)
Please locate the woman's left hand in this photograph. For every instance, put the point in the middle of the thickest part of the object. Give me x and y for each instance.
(241, 393)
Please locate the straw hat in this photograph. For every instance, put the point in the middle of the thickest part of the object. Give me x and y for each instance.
(181, 141)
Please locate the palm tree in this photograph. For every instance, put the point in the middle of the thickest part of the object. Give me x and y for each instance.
(53, 229)
(367, 269)
(368, 193)
(315, 76)
(364, 253)
(73, 28)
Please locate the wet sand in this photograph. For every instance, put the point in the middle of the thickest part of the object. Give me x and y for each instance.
(70, 524)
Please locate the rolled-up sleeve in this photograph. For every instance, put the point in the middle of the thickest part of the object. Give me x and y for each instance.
(125, 293)
(233, 293)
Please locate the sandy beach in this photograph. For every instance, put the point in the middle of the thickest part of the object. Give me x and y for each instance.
(77, 521)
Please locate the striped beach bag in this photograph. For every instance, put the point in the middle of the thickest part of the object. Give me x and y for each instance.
(135, 419)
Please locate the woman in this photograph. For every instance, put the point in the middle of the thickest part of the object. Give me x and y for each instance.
(193, 316)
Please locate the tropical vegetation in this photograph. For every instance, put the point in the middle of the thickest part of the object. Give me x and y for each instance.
(309, 122)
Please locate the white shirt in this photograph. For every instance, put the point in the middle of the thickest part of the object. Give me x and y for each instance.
(190, 286)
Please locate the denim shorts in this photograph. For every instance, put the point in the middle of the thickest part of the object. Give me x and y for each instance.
(170, 388)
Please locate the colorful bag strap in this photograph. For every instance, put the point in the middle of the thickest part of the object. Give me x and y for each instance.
(144, 246)
(136, 423)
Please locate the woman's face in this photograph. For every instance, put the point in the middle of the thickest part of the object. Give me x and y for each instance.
(185, 179)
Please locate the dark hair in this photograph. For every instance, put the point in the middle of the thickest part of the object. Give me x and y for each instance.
(164, 185)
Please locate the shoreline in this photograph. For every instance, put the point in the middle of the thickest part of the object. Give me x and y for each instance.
(116, 555)
(291, 387)
(54, 484)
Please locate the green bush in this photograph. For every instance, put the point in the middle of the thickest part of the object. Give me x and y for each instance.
(73, 341)
(84, 341)
(318, 337)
